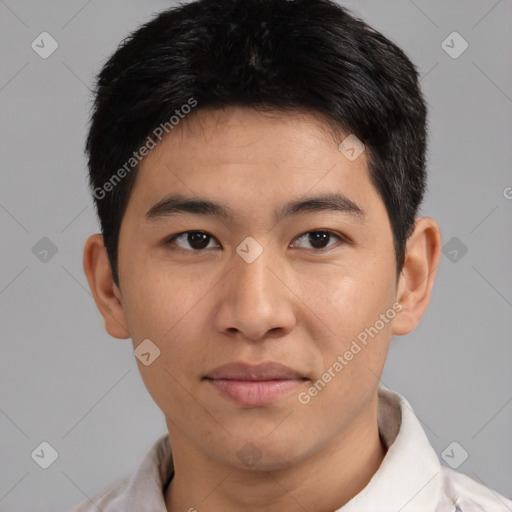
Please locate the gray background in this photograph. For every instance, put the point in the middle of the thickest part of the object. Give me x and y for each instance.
(64, 380)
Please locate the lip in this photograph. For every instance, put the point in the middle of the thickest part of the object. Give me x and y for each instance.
(255, 385)
(261, 371)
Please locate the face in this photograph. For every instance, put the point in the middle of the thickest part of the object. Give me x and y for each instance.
(261, 284)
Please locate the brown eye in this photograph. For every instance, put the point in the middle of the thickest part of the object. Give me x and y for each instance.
(319, 239)
(196, 240)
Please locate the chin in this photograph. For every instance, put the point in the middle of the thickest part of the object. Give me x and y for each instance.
(264, 465)
(260, 455)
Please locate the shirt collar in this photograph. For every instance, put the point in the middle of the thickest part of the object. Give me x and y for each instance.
(408, 479)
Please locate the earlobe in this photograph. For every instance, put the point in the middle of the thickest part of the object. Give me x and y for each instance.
(417, 275)
(105, 292)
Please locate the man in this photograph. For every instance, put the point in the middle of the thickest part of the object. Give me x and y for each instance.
(257, 168)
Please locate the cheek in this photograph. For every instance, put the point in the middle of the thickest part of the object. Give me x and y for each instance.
(159, 299)
(349, 301)
(346, 298)
(164, 310)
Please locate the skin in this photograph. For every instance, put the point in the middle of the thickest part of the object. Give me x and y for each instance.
(295, 304)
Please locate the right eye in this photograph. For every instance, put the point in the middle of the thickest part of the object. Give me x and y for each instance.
(196, 240)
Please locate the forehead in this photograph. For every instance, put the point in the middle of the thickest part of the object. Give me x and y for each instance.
(250, 157)
(253, 135)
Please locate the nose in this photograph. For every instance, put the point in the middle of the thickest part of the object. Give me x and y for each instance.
(256, 301)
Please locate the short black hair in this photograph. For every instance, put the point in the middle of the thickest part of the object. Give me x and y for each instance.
(287, 55)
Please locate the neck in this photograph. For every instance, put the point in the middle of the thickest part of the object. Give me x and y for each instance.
(324, 481)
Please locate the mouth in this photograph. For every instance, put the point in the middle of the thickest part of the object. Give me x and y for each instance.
(254, 385)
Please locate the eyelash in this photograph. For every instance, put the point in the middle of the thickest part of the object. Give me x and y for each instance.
(342, 239)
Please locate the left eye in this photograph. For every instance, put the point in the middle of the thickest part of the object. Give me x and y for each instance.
(199, 240)
(320, 238)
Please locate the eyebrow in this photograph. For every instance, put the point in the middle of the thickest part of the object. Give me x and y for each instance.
(175, 204)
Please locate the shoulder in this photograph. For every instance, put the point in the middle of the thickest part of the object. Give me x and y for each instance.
(105, 500)
(472, 496)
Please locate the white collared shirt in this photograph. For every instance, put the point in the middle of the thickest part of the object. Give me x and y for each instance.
(409, 479)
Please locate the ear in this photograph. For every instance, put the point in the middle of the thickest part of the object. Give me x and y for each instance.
(105, 292)
(417, 276)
